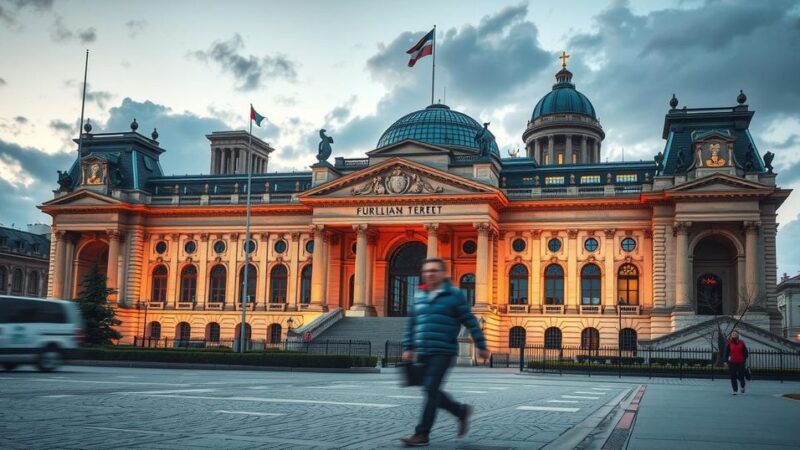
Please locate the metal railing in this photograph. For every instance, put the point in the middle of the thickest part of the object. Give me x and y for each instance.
(680, 362)
(348, 347)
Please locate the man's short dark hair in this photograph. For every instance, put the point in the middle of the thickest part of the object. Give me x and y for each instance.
(438, 261)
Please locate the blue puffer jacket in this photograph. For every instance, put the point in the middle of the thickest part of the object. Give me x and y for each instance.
(433, 325)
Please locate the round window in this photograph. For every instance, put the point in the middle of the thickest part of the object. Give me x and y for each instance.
(190, 247)
(469, 247)
(280, 247)
(554, 245)
(518, 245)
(161, 247)
(310, 246)
(590, 245)
(628, 244)
(219, 247)
(250, 247)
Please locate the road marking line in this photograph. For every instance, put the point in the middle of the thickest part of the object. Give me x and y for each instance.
(249, 413)
(413, 397)
(335, 386)
(56, 380)
(590, 393)
(58, 396)
(125, 376)
(275, 400)
(178, 391)
(127, 430)
(547, 408)
(563, 401)
(600, 389)
(498, 388)
(467, 392)
(580, 397)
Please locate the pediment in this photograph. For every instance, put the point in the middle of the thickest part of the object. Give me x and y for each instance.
(398, 177)
(82, 197)
(718, 183)
(408, 147)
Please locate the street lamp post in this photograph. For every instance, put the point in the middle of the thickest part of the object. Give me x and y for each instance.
(289, 323)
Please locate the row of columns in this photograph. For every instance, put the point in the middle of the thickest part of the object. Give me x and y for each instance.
(683, 269)
(589, 152)
(234, 161)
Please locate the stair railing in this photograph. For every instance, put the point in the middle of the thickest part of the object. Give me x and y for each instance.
(320, 324)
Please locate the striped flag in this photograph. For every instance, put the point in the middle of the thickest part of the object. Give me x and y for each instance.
(256, 117)
(422, 48)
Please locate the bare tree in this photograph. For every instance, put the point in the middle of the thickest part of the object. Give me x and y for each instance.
(717, 338)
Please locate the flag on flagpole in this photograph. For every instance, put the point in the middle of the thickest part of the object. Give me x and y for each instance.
(256, 117)
(422, 48)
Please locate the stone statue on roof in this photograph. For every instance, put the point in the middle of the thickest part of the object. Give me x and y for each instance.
(64, 181)
(484, 139)
(324, 151)
(659, 159)
(768, 157)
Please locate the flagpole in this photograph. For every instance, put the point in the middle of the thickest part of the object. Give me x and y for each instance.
(83, 103)
(242, 334)
(433, 69)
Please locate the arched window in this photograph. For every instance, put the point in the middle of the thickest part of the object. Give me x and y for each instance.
(552, 338)
(16, 281)
(252, 276)
(590, 339)
(219, 282)
(628, 339)
(467, 284)
(183, 332)
(248, 332)
(305, 285)
(590, 285)
(212, 332)
(154, 330)
(516, 337)
(158, 291)
(553, 285)
(518, 285)
(33, 283)
(628, 284)
(3, 279)
(277, 280)
(188, 284)
(351, 290)
(274, 333)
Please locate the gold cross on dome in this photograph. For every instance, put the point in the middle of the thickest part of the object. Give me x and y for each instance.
(563, 58)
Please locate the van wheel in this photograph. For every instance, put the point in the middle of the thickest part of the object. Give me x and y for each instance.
(50, 359)
(9, 366)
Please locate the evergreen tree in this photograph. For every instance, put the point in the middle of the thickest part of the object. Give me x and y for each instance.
(97, 315)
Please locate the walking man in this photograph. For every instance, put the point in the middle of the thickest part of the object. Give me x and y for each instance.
(431, 334)
(736, 358)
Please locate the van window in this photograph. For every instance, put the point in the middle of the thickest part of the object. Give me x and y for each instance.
(31, 311)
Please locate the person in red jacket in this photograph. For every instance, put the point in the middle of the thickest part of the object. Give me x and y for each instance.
(736, 358)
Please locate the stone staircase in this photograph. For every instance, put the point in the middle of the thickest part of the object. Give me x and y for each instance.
(377, 330)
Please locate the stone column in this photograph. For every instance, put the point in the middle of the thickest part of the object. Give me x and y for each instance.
(573, 292)
(60, 264)
(608, 280)
(359, 303)
(536, 275)
(318, 267)
(433, 240)
(682, 269)
(325, 243)
(568, 151)
(584, 151)
(597, 151)
(71, 268)
(112, 270)
(535, 154)
(550, 150)
(482, 267)
(752, 284)
(372, 240)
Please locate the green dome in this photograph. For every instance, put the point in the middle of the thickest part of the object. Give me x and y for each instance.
(564, 98)
(436, 125)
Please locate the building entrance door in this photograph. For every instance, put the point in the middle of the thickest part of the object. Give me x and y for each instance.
(403, 277)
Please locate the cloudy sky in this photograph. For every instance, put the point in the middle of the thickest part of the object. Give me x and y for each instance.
(192, 67)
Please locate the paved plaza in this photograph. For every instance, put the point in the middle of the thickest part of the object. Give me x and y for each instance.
(91, 407)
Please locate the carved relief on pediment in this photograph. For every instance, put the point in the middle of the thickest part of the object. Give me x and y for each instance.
(399, 181)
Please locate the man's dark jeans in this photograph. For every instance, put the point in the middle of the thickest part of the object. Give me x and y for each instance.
(737, 373)
(436, 367)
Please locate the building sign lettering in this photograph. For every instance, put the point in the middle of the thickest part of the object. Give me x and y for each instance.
(415, 210)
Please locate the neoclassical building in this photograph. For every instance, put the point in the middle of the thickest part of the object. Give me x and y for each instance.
(24, 260)
(552, 247)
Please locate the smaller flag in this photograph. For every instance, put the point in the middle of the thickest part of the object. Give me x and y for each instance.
(256, 117)
(423, 48)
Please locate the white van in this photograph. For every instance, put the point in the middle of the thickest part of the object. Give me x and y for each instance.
(38, 331)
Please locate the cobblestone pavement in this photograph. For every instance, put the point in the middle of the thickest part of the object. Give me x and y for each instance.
(89, 407)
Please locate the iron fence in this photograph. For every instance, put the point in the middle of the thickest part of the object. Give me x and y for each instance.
(674, 362)
(324, 347)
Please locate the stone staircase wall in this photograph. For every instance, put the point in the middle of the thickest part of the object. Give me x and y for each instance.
(377, 330)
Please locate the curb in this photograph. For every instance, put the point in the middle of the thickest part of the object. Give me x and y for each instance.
(163, 365)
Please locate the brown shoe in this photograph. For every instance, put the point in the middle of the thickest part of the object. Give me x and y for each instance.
(417, 440)
(463, 421)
